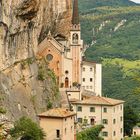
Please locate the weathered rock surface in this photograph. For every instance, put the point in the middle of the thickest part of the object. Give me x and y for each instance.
(23, 25)
(5, 127)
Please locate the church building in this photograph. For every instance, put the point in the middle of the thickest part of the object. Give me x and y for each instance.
(65, 58)
(80, 84)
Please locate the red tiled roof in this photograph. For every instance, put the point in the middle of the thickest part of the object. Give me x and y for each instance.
(97, 100)
(57, 113)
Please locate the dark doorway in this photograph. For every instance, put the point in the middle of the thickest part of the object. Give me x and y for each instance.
(57, 133)
(66, 82)
(92, 121)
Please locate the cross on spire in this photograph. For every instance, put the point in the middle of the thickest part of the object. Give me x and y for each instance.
(75, 16)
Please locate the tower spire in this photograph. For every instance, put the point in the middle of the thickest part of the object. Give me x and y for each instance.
(75, 16)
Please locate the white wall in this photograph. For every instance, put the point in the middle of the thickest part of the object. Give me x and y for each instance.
(74, 94)
(98, 79)
(113, 112)
(67, 67)
(95, 74)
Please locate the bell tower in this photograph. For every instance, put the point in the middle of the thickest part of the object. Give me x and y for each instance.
(76, 43)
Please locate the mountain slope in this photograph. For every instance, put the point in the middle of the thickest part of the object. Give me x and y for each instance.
(86, 5)
(113, 34)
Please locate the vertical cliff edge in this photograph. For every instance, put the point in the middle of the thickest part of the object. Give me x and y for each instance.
(23, 25)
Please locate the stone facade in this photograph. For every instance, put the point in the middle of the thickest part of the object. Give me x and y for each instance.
(100, 110)
(58, 124)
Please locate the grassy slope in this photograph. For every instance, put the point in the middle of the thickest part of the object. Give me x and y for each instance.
(118, 50)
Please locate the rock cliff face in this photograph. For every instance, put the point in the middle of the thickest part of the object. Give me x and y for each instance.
(23, 25)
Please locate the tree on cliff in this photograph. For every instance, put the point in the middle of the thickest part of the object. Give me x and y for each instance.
(26, 129)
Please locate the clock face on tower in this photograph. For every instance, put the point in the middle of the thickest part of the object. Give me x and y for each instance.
(75, 38)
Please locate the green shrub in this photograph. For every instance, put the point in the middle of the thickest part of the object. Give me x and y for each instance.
(90, 133)
(49, 104)
(74, 84)
(27, 130)
(133, 138)
(2, 110)
(41, 74)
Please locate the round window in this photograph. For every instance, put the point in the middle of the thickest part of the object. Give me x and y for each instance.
(66, 72)
(49, 57)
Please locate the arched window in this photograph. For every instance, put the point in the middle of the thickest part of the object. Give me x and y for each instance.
(66, 82)
(75, 38)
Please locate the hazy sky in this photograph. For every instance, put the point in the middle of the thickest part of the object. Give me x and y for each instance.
(137, 1)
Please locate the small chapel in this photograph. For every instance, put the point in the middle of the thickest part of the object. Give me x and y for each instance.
(66, 58)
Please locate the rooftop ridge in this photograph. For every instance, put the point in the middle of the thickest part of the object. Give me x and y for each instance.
(105, 100)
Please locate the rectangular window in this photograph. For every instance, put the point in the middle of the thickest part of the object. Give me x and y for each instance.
(105, 134)
(121, 118)
(71, 128)
(65, 130)
(79, 120)
(114, 133)
(121, 130)
(105, 110)
(91, 79)
(135, 133)
(114, 121)
(92, 109)
(57, 133)
(79, 108)
(84, 79)
(114, 109)
(121, 107)
(84, 69)
(90, 69)
(105, 121)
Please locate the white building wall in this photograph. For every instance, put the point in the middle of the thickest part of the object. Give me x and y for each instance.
(99, 115)
(67, 67)
(136, 131)
(117, 127)
(74, 94)
(86, 75)
(92, 78)
(98, 79)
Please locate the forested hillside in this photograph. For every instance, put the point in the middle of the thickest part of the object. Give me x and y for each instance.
(87, 5)
(113, 33)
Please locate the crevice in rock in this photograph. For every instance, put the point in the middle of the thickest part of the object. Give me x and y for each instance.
(5, 28)
(27, 10)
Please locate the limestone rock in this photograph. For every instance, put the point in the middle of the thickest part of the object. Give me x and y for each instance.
(23, 25)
